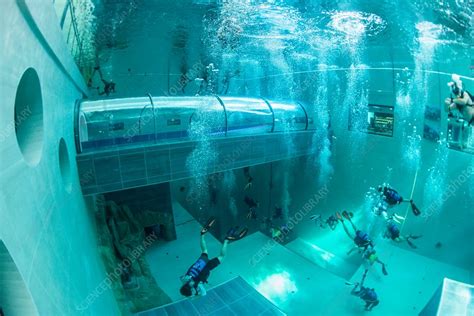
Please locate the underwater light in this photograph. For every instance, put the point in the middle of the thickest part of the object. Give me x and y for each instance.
(356, 23)
(277, 287)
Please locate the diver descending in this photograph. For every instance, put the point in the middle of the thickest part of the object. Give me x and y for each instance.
(391, 197)
(252, 207)
(198, 273)
(249, 178)
(109, 86)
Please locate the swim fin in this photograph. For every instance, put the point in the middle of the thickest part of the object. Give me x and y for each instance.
(346, 215)
(210, 222)
(339, 217)
(411, 244)
(415, 209)
(233, 236)
(384, 270)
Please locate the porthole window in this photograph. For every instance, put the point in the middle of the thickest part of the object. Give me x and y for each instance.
(65, 165)
(28, 118)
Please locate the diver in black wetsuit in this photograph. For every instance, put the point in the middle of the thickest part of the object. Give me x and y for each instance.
(252, 205)
(278, 214)
(248, 177)
(109, 86)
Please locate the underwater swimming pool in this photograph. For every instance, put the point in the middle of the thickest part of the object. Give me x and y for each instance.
(337, 136)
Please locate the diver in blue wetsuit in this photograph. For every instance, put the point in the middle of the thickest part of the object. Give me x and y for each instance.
(393, 232)
(198, 273)
(368, 295)
(361, 239)
(392, 198)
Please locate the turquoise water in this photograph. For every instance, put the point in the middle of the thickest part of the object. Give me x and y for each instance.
(339, 58)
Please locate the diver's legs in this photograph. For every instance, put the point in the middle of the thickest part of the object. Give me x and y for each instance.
(203, 244)
(353, 226)
(223, 250)
(347, 231)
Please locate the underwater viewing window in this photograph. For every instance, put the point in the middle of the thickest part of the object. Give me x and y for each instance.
(380, 120)
(460, 135)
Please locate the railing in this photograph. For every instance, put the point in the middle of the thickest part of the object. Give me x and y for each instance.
(67, 15)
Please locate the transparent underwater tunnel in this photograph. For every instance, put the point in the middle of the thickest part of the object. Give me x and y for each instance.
(126, 126)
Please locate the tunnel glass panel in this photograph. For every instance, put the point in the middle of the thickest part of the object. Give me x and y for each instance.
(288, 116)
(460, 135)
(247, 116)
(122, 122)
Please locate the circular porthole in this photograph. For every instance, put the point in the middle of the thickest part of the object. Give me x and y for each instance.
(64, 165)
(28, 120)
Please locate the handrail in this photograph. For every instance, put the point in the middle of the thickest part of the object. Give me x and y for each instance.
(273, 113)
(154, 116)
(64, 14)
(306, 114)
(225, 112)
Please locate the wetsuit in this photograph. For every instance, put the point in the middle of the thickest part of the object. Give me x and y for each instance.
(201, 270)
(393, 231)
(391, 196)
(362, 239)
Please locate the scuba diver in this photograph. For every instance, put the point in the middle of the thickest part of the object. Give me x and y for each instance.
(370, 257)
(381, 209)
(278, 214)
(361, 239)
(248, 177)
(392, 198)
(366, 294)
(226, 81)
(460, 100)
(199, 272)
(252, 205)
(393, 232)
(109, 86)
(331, 222)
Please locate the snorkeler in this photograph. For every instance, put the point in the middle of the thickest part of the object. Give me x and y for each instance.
(366, 294)
(199, 272)
(392, 198)
(460, 100)
(393, 232)
(248, 177)
(252, 205)
(361, 239)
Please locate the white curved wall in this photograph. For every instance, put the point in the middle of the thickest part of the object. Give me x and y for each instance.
(46, 227)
